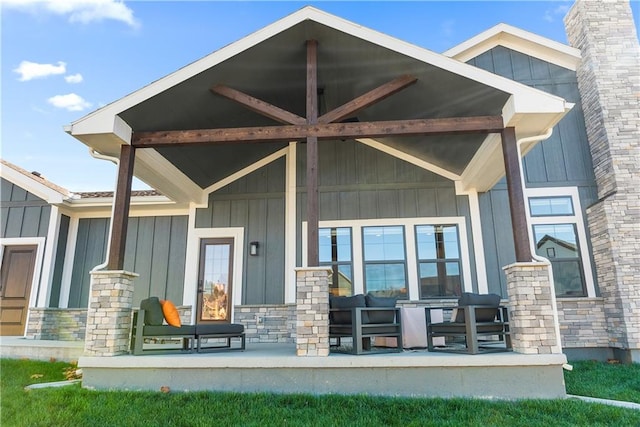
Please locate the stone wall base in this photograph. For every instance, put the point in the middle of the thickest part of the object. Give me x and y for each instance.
(60, 324)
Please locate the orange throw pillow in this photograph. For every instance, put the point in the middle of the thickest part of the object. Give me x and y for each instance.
(171, 314)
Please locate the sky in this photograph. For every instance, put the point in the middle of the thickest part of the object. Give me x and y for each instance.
(62, 59)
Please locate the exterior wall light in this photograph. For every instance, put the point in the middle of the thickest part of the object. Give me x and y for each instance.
(253, 248)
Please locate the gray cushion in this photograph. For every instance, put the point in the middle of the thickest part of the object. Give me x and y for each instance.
(219, 328)
(482, 314)
(382, 316)
(166, 330)
(153, 315)
(346, 303)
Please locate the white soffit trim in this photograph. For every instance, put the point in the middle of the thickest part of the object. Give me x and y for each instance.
(485, 168)
(409, 158)
(519, 40)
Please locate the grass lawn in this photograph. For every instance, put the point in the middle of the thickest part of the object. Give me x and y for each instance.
(74, 406)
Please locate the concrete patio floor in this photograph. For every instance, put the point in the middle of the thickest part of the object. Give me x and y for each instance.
(276, 368)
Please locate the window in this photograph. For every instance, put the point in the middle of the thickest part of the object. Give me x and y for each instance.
(550, 206)
(438, 261)
(335, 251)
(385, 272)
(559, 244)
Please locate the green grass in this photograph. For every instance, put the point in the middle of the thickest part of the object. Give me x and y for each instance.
(74, 406)
(604, 380)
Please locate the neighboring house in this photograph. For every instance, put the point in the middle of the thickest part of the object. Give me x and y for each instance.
(422, 218)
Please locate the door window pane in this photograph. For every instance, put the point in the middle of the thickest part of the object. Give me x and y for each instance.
(216, 287)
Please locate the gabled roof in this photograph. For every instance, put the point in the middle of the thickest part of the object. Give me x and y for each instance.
(519, 40)
(34, 183)
(446, 88)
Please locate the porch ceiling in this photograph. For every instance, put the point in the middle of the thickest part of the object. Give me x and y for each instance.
(270, 65)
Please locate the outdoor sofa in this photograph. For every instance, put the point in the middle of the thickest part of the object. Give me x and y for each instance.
(160, 323)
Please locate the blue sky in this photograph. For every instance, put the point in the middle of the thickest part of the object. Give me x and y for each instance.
(62, 59)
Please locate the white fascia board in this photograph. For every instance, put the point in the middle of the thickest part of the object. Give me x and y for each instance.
(47, 194)
(486, 167)
(152, 168)
(519, 40)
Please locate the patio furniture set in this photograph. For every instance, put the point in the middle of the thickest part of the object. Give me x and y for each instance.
(478, 324)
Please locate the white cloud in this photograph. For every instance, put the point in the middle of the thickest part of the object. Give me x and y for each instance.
(32, 70)
(83, 11)
(70, 102)
(73, 78)
(550, 15)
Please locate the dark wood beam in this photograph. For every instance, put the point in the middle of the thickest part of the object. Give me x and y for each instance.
(121, 208)
(261, 107)
(369, 98)
(313, 217)
(516, 195)
(445, 126)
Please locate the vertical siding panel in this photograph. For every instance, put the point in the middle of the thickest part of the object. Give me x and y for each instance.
(4, 218)
(345, 163)
(521, 66)
(328, 209)
(348, 201)
(204, 215)
(494, 271)
(239, 213)
(502, 62)
(534, 166)
(427, 203)
(61, 248)
(14, 222)
(368, 204)
(144, 254)
(6, 188)
(45, 216)
(387, 204)
(327, 163)
(446, 202)
(79, 258)
(130, 255)
(484, 61)
(160, 260)
(407, 203)
(539, 69)
(274, 252)
(30, 221)
(18, 194)
(177, 258)
(221, 216)
(384, 168)
(255, 291)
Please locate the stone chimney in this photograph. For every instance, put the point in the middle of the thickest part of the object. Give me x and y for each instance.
(609, 84)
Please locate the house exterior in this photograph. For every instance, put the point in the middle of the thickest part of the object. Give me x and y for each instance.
(238, 226)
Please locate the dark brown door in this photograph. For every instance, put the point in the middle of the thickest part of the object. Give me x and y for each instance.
(16, 276)
(215, 285)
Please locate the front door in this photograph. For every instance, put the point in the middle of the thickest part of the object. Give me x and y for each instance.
(215, 285)
(16, 277)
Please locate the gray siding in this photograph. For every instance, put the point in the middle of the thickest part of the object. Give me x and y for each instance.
(59, 261)
(156, 250)
(22, 214)
(561, 161)
(256, 203)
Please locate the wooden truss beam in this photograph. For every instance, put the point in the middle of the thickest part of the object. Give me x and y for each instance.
(259, 106)
(368, 99)
(416, 127)
(121, 208)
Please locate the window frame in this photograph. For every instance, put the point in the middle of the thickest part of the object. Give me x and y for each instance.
(439, 261)
(576, 220)
(335, 265)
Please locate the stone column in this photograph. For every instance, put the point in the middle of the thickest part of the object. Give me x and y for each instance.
(532, 312)
(312, 311)
(609, 84)
(109, 313)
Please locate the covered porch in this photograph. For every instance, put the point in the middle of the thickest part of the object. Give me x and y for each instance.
(307, 80)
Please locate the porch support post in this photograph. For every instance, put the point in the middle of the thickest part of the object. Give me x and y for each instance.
(516, 195)
(312, 156)
(121, 209)
(109, 313)
(312, 311)
(533, 315)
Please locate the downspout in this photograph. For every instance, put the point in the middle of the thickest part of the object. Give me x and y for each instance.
(536, 257)
(116, 161)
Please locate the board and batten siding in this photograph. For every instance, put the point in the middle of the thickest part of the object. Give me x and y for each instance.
(155, 249)
(563, 160)
(58, 268)
(255, 202)
(22, 214)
